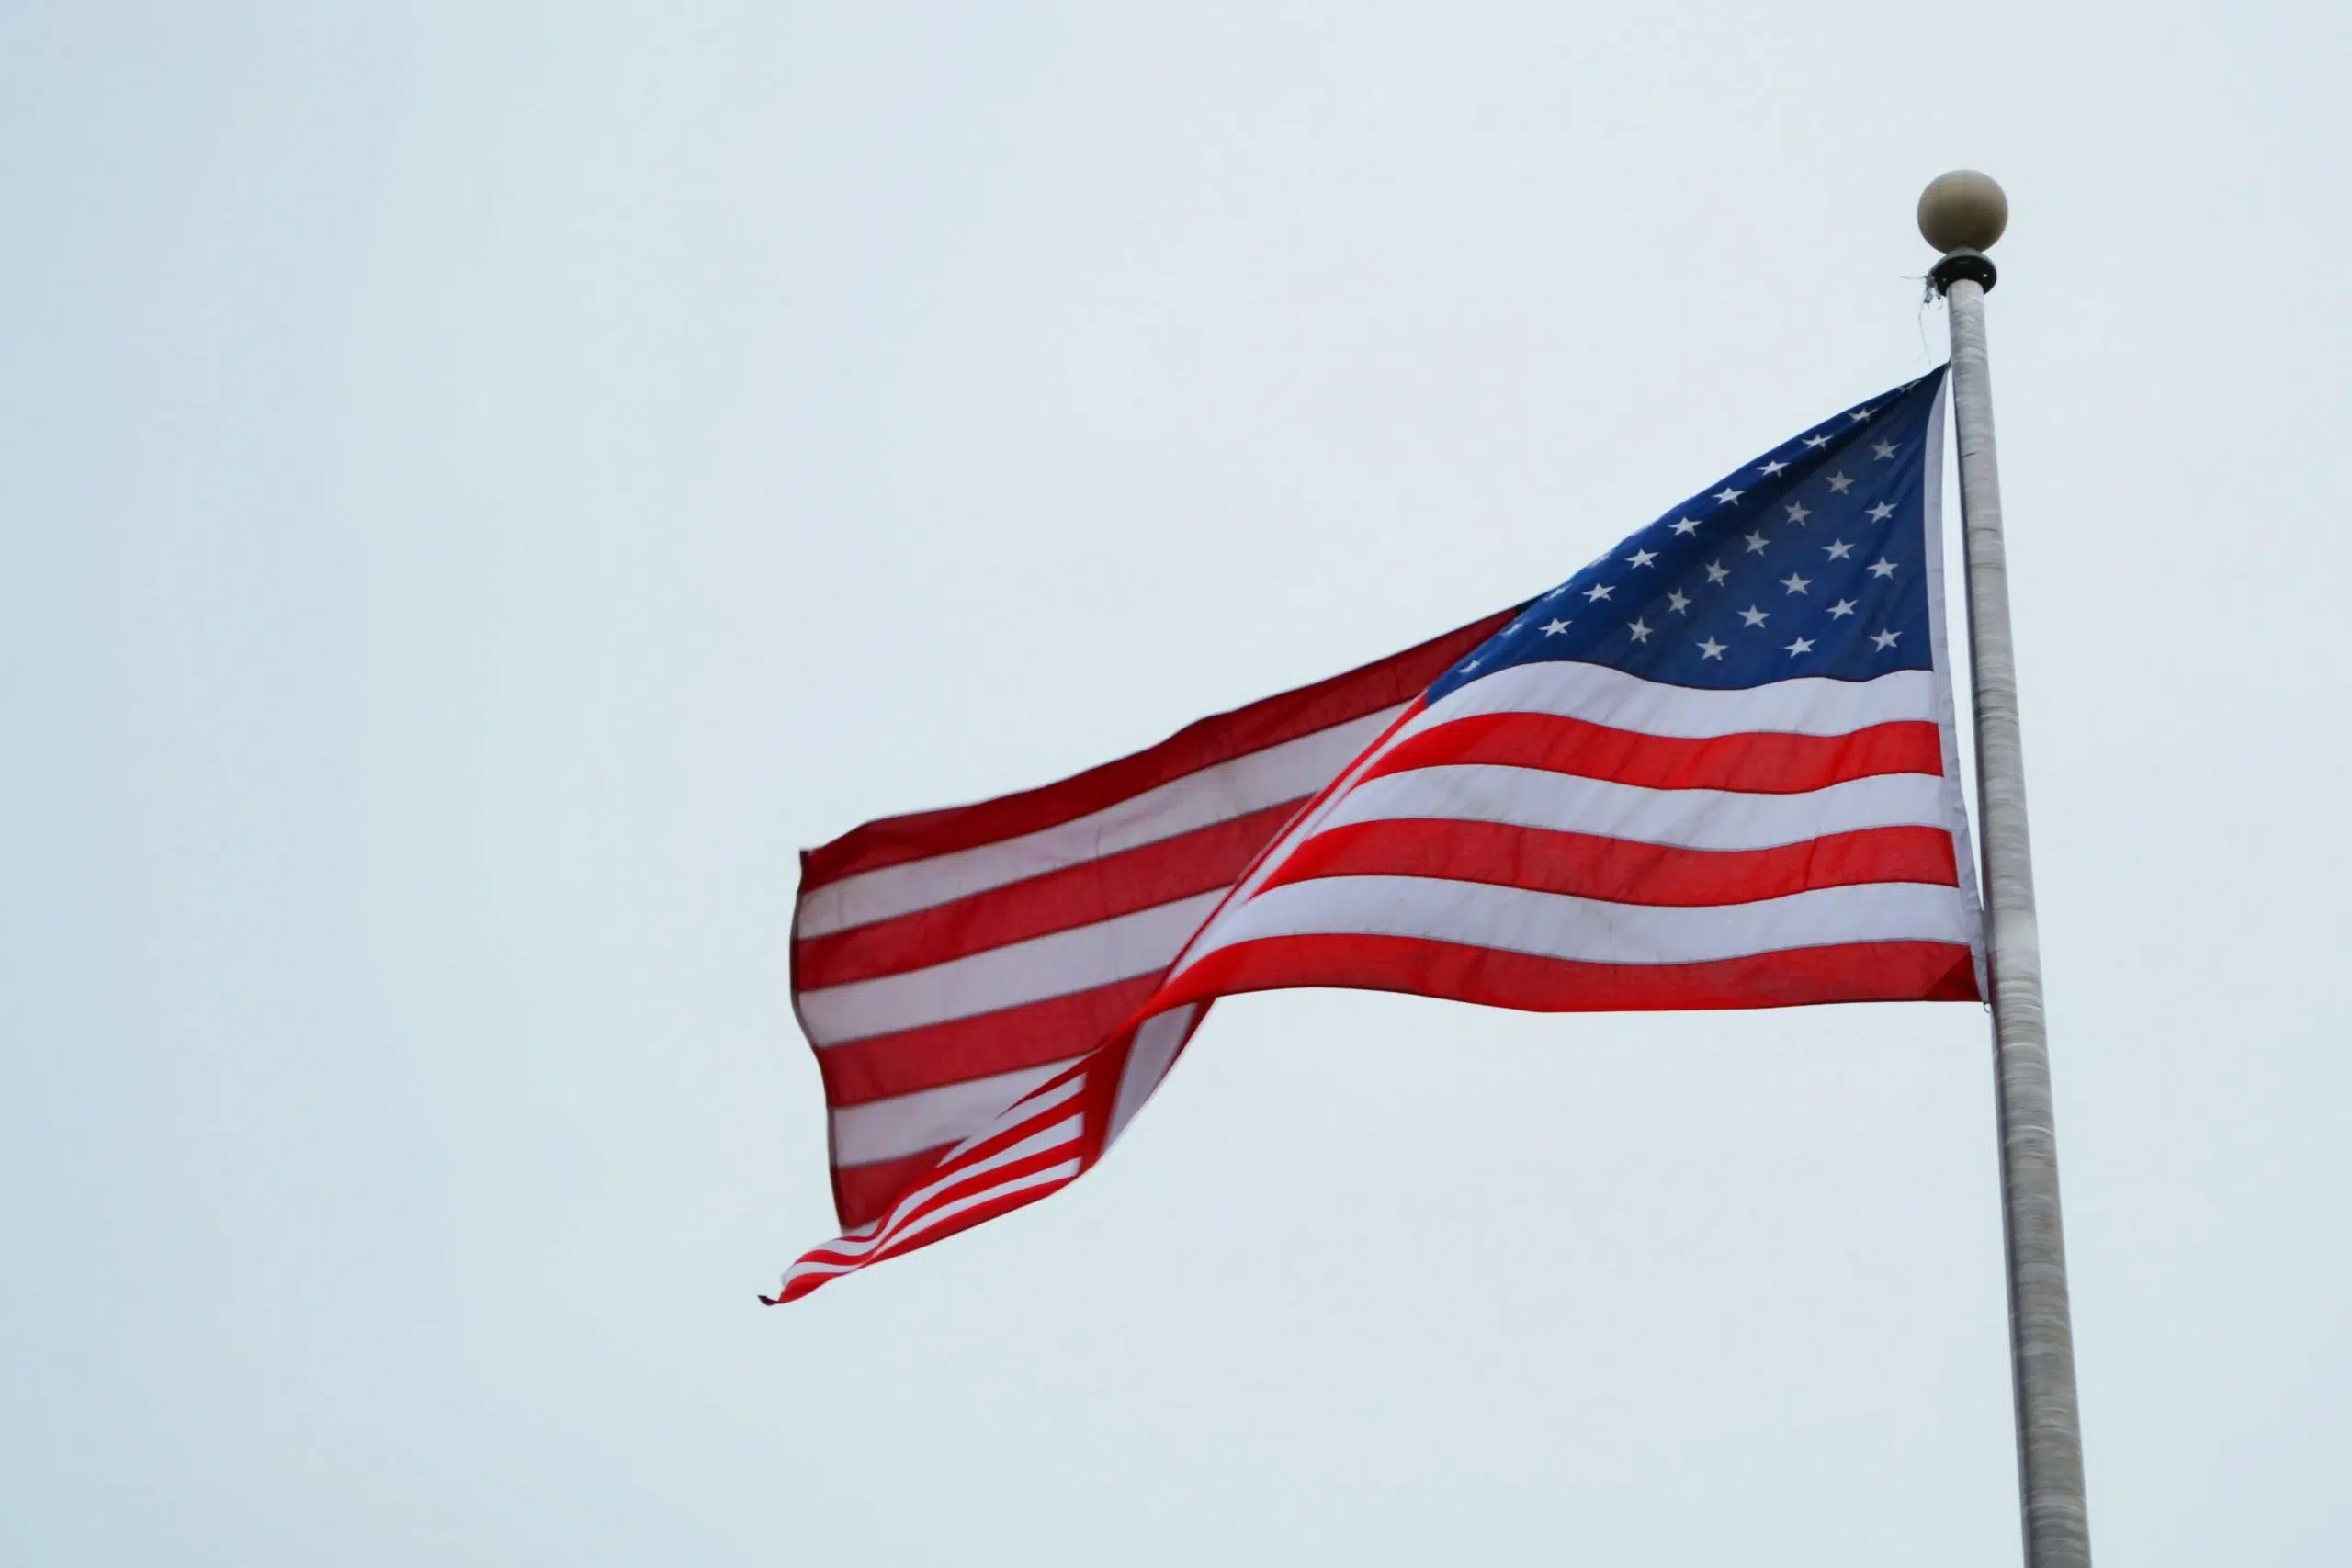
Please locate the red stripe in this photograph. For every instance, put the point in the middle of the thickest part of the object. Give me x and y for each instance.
(1845, 972)
(864, 1192)
(1761, 763)
(977, 1214)
(964, 1180)
(1029, 1035)
(1614, 869)
(895, 840)
(1199, 862)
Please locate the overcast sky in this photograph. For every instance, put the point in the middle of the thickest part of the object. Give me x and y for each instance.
(482, 484)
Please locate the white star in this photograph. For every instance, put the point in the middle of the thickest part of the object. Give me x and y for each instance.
(1840, 609)
(1859, 416)
(1802, 644)
(1769, 469)
(1839, 484)
(1756, 543)
(1797, 514)
(1715, 574)
(1710, 649)
(1884, 639)
(1678, 601)
(1754, 616)
(1685, 525)
(1641, 633)
(1469, 665)
(1882, 511)
(1556, 627)
(1643, 558)
(1881, 450)
(1598, 592)
(1816, 441)
(1557, 591)
(1796, 585)
(1727, 493)
(1839, 549)
(1881, 568)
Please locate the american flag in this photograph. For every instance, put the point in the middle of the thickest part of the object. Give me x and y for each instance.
(1716, 768)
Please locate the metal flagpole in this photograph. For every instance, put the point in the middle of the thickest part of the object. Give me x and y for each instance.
(1961, 214)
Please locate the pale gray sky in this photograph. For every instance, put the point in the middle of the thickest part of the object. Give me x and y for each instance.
(481, 484)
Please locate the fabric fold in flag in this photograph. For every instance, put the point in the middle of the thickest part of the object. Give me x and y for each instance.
(1716, 768)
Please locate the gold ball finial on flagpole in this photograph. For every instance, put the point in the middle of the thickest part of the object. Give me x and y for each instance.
(1963, 210)
(1961, 214)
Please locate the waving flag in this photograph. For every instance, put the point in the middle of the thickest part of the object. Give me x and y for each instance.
(1714, 769)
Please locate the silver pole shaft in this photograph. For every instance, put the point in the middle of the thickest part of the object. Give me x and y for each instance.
(2041, 1339)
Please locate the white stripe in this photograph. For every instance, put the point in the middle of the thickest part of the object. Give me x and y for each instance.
(909, 1124)
(1810, 704)
(1066, 1131)
(941, 1215)
(1154, 1052)
(1289, 771)
(1027, 1110)
(1686, 819)
(933, 1218)
(1556, 925)
(1303, 827)
(1055, 965)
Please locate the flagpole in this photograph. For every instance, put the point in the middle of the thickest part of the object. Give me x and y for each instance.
(1961, 214)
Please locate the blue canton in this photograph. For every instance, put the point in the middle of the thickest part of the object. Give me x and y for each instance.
(1809, 560)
